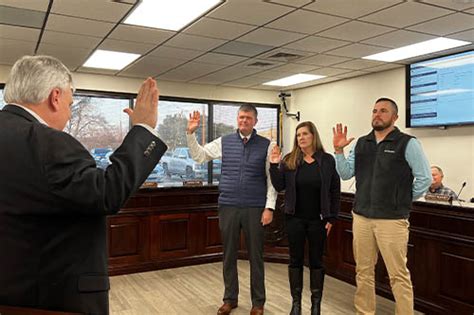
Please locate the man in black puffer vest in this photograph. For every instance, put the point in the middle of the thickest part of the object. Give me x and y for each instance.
(246, 200)
(391, 170)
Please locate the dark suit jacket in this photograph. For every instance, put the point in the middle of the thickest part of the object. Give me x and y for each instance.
(53, 207)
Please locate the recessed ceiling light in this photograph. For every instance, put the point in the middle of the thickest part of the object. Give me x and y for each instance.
(106, 59)
(294, 79)
(169, 15)
(418, 49)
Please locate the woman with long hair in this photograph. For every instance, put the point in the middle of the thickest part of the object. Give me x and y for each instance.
(312, 201)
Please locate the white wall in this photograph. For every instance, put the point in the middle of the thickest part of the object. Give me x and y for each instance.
(350, 102)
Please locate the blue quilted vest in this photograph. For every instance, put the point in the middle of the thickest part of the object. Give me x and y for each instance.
(243, 179)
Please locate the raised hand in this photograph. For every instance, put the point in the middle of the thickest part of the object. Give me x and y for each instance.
(275, 154)
(193, 122)
(145, 110)
(340, 138)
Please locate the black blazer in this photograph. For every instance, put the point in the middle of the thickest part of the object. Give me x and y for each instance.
(53, 207)
(285, 179)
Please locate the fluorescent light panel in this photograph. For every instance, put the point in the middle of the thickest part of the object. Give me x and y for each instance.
(169, 15)
(294, 79)
(113, 60)
(423, 48)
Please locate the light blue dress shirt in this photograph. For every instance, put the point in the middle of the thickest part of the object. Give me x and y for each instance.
(414, 156)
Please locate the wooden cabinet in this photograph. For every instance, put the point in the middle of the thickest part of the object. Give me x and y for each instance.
(162, 228)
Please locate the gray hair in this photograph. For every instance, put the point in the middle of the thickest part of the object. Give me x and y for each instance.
(248, 108)
(33, 77)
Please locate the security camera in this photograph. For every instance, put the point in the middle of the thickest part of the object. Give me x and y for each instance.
(282, 95)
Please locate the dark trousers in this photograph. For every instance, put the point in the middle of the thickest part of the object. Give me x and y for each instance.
(299, 230)
(231, 221)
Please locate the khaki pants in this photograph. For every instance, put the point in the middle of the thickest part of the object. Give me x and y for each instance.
(391, 238)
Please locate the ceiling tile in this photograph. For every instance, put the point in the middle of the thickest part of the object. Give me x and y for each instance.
(260, 64)
(284, 55)
(406, 14)
(74, 25)
(140, 34)
(356, 51)
(11, 50)
(359, 64)
(38, 5)
(307, 22)
(242, 49)
(453, 23)
(19, 33)
(270, 37)
(323, 60)
(230, 74)
(350, 8)
(454, 5)
(125, 46)
(175, 53)
(150, 66)
(194, 42)
(218, 29)
(246, 82)
(205, 80)
(101, 10)
(220, 59)
(72, 58)
(355, 31)
(255, 12)
(296, 68)
(329, 71)
(470, 11)
(189, 71)
(274, 74)
(466, 35)
(71, 40)
(21, 17)
(398, 38)
(316, 44)
(292, 3)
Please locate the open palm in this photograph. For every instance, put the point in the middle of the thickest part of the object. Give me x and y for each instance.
(193, 122)
(340, 136)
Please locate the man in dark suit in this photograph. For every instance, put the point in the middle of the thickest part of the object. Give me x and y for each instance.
(53, 199)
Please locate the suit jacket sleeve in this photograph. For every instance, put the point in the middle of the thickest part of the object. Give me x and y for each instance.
(74, 179)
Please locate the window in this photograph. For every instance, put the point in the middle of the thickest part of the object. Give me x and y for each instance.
(177, 164)
(99, 124)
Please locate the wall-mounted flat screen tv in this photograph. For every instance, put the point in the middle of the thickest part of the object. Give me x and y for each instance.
(440, 91)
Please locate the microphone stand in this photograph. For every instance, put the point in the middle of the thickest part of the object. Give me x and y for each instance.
(459, 193)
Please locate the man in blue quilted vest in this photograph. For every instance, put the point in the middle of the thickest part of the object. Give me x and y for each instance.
(246, 200)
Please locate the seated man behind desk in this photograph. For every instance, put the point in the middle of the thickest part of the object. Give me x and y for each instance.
(437, 188)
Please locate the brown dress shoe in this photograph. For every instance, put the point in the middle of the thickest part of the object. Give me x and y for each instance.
(226, 308)
(257, 310)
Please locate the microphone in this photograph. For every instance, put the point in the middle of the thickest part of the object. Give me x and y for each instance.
(460, 190)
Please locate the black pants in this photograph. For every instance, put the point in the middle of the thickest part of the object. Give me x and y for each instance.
(231, 221)
(298, 231)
